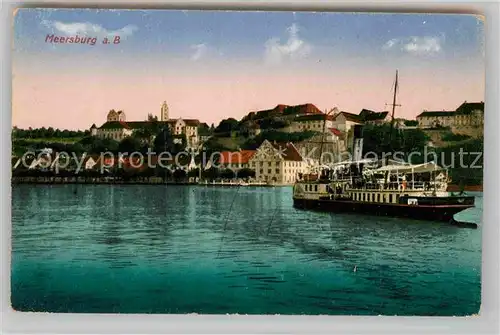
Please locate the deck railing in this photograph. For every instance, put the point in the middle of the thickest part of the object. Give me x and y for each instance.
(401, 186)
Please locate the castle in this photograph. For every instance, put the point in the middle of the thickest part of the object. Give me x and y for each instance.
(117, 127)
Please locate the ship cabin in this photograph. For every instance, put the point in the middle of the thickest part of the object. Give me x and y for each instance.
(313, 185)
(395, 183)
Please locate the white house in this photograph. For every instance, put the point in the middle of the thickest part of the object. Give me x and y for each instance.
(310, 122)
(277, 163)
(344, 121)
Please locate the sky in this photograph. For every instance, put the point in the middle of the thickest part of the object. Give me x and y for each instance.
(212, 65)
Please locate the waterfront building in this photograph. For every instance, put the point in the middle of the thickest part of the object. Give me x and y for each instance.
(467, 115)
(277, 163)
(236, 160)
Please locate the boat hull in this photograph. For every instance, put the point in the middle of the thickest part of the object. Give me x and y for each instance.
(437, 209)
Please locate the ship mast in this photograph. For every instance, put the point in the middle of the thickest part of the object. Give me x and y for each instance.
(394, 104)
(325, 117)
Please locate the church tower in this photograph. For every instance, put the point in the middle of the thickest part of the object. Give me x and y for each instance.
(164, 111)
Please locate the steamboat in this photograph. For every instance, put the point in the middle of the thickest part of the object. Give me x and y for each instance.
(371, 187)
(381, 187)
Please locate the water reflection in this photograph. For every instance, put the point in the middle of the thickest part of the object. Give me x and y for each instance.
(227, 250)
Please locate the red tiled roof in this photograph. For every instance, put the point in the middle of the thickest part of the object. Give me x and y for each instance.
(288, 151)
(280, 108)
(303, 109)
(235, 157)
(310, 109)
(335, 132)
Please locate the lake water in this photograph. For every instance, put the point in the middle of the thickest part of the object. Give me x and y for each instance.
(185, 249)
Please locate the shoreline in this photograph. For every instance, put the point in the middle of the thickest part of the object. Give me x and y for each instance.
(156, 181)
(33, 181)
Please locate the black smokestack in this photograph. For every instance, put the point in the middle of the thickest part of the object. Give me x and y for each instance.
(357, 143)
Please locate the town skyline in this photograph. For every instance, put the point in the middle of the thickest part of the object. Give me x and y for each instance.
(207, 70)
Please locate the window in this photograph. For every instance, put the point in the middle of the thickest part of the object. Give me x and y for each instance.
(268, 171)
(378, 197)
(316, 188)
(277, 170)
(363, 196)
(261, 171)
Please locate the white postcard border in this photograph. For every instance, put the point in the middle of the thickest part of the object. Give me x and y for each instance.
(485, 323)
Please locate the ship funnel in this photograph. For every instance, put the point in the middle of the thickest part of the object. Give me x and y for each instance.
(357, 151)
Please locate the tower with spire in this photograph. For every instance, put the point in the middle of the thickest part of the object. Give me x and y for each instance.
(164, 111)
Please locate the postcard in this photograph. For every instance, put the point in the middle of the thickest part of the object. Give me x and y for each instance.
(247, 162)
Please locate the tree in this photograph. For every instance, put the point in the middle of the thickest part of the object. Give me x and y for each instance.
(213, 145)
(147, 132)
(380, 139)
(194, 173)
(278, 136)
(272, 123)
(227, 174)
(162, 172)
(152, 117)
(180, 143)
(164, 141)
(95, 145)
(245, 129)
(411, 123)
(179, 174)
(246, 173)
(465, 168)
(211, 173)
(226, 126)
(129, 144)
